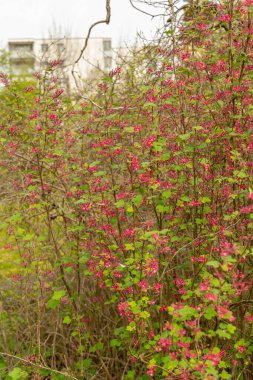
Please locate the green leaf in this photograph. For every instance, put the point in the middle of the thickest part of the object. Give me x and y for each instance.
(55, 376)
(2, 363)
(17, 374)
(28, 237)
(198, 127)
(144, 314)
(67, 320)
(137, 201)
(100, 346)
(92, 349)
(3, 226)
(213, 263)
(225, 375)
(231, 328)
(115, 343)
(242, 174)
(186, 136)
(100, 174)
(161, 208)
(170, 365)
(94, 163)
(169, 32)
(129, 247)
(130, 375)
(185, 198)
(86, 363)
(157, 147)
(205, 200)
(223, 334)
(120, 203)
(165, 156)
(58, 294)
(209, 312)
(15, 218)
(166, 194)
(188, 312)
(52, 304)
(129, 129)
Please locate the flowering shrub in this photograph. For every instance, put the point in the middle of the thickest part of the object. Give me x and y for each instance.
(131, 219)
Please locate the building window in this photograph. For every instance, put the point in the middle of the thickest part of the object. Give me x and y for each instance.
(107, 45)
(60, 47)
(44, 48)
(21, 48)
(108, 63)
(22, 68)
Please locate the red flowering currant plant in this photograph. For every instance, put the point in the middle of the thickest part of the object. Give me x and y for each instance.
(129, 217)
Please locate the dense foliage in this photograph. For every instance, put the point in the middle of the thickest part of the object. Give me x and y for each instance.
(128, 218)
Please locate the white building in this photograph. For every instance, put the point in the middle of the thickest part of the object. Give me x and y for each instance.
(31, 55)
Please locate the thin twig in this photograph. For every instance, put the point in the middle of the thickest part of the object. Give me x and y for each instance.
(37, 365)
(141, 10)
(105, 21)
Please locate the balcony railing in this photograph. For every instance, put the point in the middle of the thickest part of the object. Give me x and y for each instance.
(21, 54)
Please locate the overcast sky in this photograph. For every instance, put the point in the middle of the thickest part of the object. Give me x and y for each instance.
(35, 18)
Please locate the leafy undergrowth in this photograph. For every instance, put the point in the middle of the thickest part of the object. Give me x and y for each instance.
(132, 216)
(9, 262)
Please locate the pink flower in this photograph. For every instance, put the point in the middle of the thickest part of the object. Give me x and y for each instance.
(201, 26)
(195, 203)
(164, 344)
(241, 349)
(157, 288)
(200, 65)
(116, 71)
(214, 358)
(211, 297)
(52, 116)
(185, 55)
(124, 309)
(143, 285)
(203, 286)
(179, 282)
(55, 63)
(135, 163)
(225, 18)
(50, 131)
(57, 93)
(121, 196)
(137, 128)
(250, 195)
(151, 99)
(227, 249)
(151, 371)
(246, 209)
(128, 232)
(86, 207)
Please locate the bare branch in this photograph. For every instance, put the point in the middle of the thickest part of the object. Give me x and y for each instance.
(140, 10)
(28, 362)
(105, 21)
